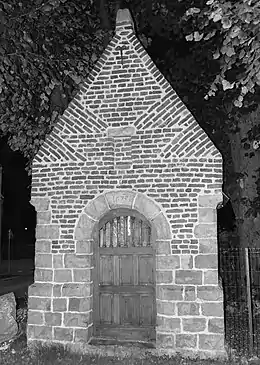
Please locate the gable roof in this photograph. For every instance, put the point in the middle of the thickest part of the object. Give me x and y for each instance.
(126, 88)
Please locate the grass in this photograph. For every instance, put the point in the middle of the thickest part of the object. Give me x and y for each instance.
(20, 355)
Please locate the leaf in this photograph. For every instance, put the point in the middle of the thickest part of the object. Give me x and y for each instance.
(227, 85)
(216, 55)
(230, 51)
(197, 36)
(217, 17)
(238, 103)
(210, 35)
(192, 11)
(244, 90)
(234, 31)
(189, 37)
(226, 23)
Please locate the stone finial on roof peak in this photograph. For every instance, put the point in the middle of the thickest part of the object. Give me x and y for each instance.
(124, 18)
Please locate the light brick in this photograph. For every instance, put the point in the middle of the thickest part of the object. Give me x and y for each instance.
(58, 261)
(74, 261)
(210, 293)
(163, 247)
(216, 325)
(164, 277)
(76, 290)
(206, 261)
(43, 246)
(189, 293)
(62, 275)
(43, 260)
(170, 292)
(59, 304)
(212, 309)
(165, 340)
(83, 335)
(80, 304)
(97, 207)
(63, 334)
(47, 231)
(120, 198)
(35, 317)
(194, 324)
(77, 319)
(168, 324)
(211, 342)
(39, 332)
(208, 245)
(40, 204)
(205, 230)
(166, 308)
(210, 201)
(163, 229)
(120, 131)
(57, 290)
(82, 275)
(188, 277)
(186, 262)
(52, 319)
(84, 246)
(170, 262)
(39, 303)
(186, 341)
(45, 275)
(44, 217)
(40, 290)
(207, 215)
(188, 309)
(210, 277)
(146, 206)
(84, 228)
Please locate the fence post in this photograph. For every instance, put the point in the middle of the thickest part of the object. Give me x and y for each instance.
(249, 302)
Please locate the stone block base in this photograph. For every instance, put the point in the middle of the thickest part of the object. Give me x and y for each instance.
(136, 352)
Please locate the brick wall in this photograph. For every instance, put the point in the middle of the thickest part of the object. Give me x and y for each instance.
(128, 140)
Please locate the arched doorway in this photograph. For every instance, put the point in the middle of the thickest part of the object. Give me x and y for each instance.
(124, 278)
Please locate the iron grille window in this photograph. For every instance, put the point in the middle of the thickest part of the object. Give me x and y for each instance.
(125, 231)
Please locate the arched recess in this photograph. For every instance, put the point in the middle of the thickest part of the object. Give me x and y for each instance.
(112, 204)
(115, 199)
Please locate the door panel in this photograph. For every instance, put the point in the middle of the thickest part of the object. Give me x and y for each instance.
(129, 309)
(106, 270)
(126, 270)
(146, 270)
(106, 307)
(146, 309)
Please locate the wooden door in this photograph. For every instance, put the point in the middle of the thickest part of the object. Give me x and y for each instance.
(124, 295)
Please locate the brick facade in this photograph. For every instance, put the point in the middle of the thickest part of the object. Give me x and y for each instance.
(127, 140)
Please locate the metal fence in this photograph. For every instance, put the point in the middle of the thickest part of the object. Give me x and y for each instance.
(240, 273)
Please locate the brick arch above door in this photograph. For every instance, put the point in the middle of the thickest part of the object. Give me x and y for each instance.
(116, 199)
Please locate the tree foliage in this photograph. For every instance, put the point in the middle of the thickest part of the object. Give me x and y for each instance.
(207, 47)
(235, 26)
(46, 50)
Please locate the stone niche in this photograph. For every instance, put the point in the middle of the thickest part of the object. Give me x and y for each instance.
(127, 141)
